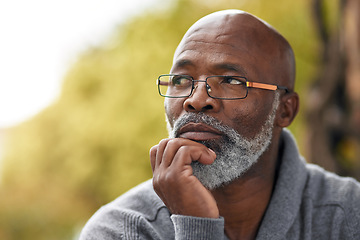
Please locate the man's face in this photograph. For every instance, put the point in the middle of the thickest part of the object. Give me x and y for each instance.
(217, 49)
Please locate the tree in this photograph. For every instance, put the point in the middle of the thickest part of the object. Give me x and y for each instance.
(333, 115)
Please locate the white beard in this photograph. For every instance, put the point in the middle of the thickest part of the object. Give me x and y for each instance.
(235, 155)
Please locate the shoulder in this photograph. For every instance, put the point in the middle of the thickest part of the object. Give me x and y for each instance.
(334, 200)
(326, 187)
(134, 213)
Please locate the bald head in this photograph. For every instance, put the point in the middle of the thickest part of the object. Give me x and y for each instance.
(270, 57)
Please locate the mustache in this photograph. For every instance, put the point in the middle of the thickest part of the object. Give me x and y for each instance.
(199, 118)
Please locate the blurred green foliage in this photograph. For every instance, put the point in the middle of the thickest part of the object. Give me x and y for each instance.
(92, 144)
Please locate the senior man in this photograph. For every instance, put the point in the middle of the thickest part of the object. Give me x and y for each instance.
(230, 169)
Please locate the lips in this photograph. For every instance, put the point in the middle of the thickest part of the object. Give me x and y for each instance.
(198, 132)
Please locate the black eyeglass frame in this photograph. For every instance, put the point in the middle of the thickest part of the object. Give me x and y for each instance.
(249, 84)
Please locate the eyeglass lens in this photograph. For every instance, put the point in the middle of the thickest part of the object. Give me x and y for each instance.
(228, 87)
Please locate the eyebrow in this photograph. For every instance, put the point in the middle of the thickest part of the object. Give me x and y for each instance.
(183, 63)
(231, 67)
(221, 66)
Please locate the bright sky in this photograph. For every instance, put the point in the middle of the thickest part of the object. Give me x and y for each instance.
(38, 41)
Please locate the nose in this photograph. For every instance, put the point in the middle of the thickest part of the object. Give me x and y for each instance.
(200, 101)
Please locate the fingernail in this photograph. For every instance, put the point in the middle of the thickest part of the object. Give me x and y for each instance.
(212, 151)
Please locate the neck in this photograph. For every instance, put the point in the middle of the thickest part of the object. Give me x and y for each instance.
(243, 202)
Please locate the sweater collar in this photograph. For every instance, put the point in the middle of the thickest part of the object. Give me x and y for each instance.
(286, 199)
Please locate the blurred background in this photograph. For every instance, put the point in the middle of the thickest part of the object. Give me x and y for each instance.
(79, 109)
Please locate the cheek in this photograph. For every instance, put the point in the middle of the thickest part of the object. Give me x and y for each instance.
(173, 108)
(247, 118)
(243, 120)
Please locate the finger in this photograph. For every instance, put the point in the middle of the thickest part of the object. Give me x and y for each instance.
(160, 151)
(190, 151)
(207, 157)
(188, 154)
(185, 145)
(152, 153)
(171, 149)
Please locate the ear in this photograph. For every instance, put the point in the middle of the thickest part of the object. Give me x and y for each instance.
(288, 108)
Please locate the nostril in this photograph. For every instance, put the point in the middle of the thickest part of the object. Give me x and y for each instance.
(208, 107)
(191, 107)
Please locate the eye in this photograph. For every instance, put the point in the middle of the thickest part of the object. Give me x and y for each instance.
(179, 80)
(233, 80)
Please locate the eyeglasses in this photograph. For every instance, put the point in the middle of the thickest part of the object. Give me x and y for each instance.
(220, 87)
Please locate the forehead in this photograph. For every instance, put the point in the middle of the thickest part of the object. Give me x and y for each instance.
(217, 51)
(236, 43)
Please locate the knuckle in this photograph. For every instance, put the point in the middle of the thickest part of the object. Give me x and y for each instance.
(168, 177)
(163, 178)
(163, 142)
(184, 151)
(156, 181)
(172, 143)
(184, 148)
(176, 144)
(153, 150)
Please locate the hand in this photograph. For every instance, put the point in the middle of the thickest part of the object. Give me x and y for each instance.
(174, 181)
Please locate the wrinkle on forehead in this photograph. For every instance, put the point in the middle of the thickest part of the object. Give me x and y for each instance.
(225, 66)
(191, 45)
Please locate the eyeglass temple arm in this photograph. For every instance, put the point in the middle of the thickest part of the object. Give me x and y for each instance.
(266, 86)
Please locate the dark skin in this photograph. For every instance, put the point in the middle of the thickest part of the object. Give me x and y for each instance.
(226, 43)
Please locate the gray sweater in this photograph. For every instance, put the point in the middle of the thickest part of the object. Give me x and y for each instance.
(307, 203)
